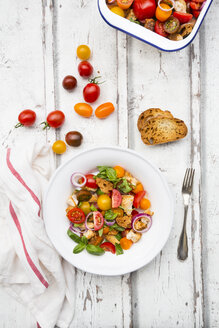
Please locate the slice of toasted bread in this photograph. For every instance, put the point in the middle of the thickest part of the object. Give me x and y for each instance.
(151, 113)
(161, 130)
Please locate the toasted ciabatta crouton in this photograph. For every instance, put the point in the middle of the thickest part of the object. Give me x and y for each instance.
(133, 236)
(124, 221)
(112, 239)
(127, 202)
(104, 185)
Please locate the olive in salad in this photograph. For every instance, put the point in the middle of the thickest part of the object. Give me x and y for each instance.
(108, 211)
(172, 19)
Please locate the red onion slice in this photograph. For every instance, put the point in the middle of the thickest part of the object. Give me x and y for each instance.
(75, 177)
(87, 217)
(163, 9)
(138, 217)
(109, 223)
(77, 230)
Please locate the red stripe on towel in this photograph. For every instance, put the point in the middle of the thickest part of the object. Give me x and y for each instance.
(32, 265)
(17, 175)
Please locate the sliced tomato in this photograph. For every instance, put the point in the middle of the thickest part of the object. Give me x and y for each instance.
(116, 198)
(98, 220)
(159, 29)
(183, 17)
(108, 247)
(195, 5)
(138, 198)
(76, 215)
(134, 212)
(196, 13)
(124, 4)
(91, 182)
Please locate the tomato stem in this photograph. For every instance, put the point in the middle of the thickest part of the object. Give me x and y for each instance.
(46, 125)
(94, 80)
(18, 125)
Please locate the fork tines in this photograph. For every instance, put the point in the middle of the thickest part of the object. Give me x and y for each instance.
(188, 180)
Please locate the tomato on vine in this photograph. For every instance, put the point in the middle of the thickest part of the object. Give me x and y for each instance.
(91, 91)
(54, 119)
(26, 118)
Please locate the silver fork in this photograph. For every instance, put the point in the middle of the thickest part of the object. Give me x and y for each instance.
(182, 251)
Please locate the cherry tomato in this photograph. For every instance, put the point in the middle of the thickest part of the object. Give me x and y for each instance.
(104, 110)
(108, 247)
(138, 198)
(59, 147)
(91, 91)
(134, 212)
(145, 204)
(98, 220)
(26, 118)
(171, 26)
(91, 182)
(83, 109)
(69, 82)
(195, 6)
(120, 172)
(54, 119)
(85, 69)
(104, 202)
(116, 198)
(139, 187)
(76, 215)
(124, 4)
(159, 29)
(163, 15)
(74, 138)
(196, 13)
(125, 243)
(83, 52)
(183, 17)
(144, 9)
(118, 11)
(85, 207)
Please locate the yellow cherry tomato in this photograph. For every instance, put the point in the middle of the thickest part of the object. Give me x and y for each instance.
(59, 147)
(83, 109)
(83, 52)
(145, 204)
(120, 172)
(163, 15)
(104, 202)
(118, 11)
(139, 187)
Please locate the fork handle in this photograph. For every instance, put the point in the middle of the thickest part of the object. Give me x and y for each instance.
(182, 251)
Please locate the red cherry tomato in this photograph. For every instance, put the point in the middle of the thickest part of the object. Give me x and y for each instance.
(108, 247)
(54, 119)
(91, 91)
(116, 198)
(26, 118)
(76, 215)
(195, 5)
(134, 212)
(138, 198)
(144, 9)
(124, 4)
(196, 13)
(159, 29)
(182, 17)
(91, 182)
(85, 69)
(98, 220)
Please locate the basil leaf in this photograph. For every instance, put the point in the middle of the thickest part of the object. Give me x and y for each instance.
(119, 249)
(117, 227)
(102, 168)
(79, 248)
(111, 174)
(110, 215)
(73, 236)
(100, 232)
(99, 192)
(93, 208)
(118, 236)
(124, 186)
(84, 240)
(76, 225)
(94, 250)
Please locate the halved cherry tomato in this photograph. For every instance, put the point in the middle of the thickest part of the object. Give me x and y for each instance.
(134, 212)
(195, 5)
(171, 26)
(83, 109)
(196, 13)
(104, 110)
(98, 220)
(159, 29)
(125, 243)
(108, 247)
(120, 172)
(91, 182)
(124, 4)
(163, 15)
(85, 69)
(139, 187)
(116, 198)
(182, 17)
(144, 9)
(138, 198)
(76, 215)
(145, 204)
(26, 118)
(118, 11)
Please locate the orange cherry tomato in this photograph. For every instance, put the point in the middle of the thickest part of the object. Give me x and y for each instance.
(139, 187)
(83, 109)
(145, 204)
(104, 110)
(163, 15)
(120, 172)
(124, 4)
(125, 243)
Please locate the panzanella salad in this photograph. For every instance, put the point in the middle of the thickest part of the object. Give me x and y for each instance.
(172, 19)
(108, 211)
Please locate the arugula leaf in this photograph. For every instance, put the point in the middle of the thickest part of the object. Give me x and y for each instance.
(100, 232)
(93, 208)
(119, 249)
(110, 215)
(117, 227)
(124, 186)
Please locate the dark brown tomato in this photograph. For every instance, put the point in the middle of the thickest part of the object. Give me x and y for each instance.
(74, 138)
(69, 82)
(172, 25)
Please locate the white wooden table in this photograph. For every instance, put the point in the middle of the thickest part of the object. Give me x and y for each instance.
(38, 41)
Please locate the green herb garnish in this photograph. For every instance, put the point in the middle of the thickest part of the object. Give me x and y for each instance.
(119, 249)
(110, 215)
(124, 186)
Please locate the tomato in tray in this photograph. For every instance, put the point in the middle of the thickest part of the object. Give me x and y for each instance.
(159, 29)
(144, 9)
(76, 215)
(124, 4)
(183, 17)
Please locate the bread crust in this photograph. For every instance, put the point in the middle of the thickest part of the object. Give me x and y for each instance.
(151, 113)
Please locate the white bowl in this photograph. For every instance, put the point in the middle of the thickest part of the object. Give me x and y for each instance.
(151, 242)
(146, 35)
